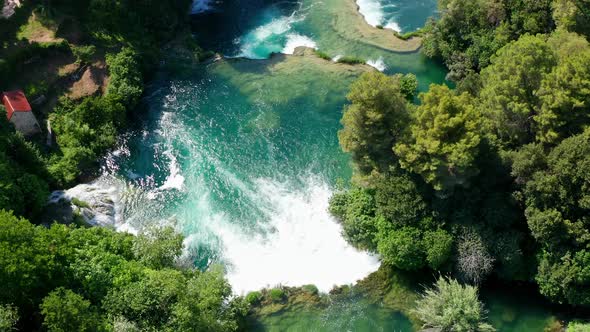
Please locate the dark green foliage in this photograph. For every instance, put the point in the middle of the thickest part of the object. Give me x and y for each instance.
(23, 187)
(558, 201)
(470, 32)
(84, 53)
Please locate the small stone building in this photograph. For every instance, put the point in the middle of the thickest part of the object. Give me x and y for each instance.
(19, 113)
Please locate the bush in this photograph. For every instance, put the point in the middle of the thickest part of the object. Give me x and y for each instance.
(578, 327)
(450, 306)
(276, 294)
(350, 60)
(253, 297)
(84, 53)
(322, 55)
(311, 289)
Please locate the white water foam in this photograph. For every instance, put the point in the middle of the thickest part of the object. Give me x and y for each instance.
(200, 6)
(371, 11)
(175, 180)
(393, 25)
(295, 40)
(378, 64)
(267, 38)
(306, 246)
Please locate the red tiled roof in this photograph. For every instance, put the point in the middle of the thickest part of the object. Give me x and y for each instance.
(15, 101)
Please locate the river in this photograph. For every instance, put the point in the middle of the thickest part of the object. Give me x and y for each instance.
(241, 155)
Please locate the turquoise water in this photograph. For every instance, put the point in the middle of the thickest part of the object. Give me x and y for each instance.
(242, 155)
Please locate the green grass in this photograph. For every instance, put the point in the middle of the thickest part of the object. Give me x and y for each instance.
(323, 55)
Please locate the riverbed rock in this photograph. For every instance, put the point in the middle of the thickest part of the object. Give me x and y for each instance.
(95, 203)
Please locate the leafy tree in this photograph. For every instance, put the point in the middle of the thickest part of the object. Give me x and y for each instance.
(126, 82)
(438, 246)
(374, 121)
(444, 139)
(509, 98)
(409, 86)
(400, 247)
(450, 306)
(565, 93)
(64, 310)
(558, 199)
(213, 311)
(356, 211)
(158, 247)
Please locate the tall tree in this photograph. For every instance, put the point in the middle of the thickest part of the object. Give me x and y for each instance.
(444, 139)
(374, 121)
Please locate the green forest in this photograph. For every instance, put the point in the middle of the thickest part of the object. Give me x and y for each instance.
(490, 178)
(484, 178)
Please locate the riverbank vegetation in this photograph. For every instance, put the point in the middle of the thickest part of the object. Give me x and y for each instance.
(96, 279)
(486, 180)
(83, 65)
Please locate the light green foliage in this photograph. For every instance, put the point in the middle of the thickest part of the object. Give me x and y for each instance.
(509, 98)
(356, 210)
(276, 294)
(450, 306)
(64, 310)
(578, 327)
(374, 121)
(253, 297)
(572, 15)
(565, 92)
(8, 318)
(445, 136)
(158, 247)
